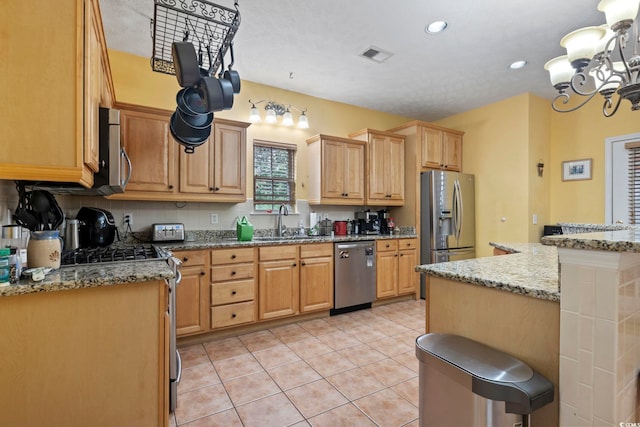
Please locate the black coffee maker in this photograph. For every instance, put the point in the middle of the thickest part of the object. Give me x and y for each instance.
(383, 217)
(368, 222)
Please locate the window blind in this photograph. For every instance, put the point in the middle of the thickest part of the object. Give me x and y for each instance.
(273, 175)
(634, 181)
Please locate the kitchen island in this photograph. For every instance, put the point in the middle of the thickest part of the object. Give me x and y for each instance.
(508, 302)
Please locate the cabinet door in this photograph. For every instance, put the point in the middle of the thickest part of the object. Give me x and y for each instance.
(191, 300)
(354, 172)
(395, 170)
(230, 153)
(431, 147)
(196, 170)
(316, 284)
(278, 289)
(333, 169)
(376, 168)
(407, 276)
(92, 87)
(145, 137)
(386, 274)
(452, 151)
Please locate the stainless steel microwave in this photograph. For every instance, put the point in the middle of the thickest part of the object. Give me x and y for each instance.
(114, 167)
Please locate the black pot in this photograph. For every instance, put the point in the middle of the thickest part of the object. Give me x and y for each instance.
(187, 135)
(185, 63)
(232, 75)
(212, 93)
(190, 102)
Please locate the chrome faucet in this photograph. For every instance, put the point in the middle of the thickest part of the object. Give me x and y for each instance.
(280, 228)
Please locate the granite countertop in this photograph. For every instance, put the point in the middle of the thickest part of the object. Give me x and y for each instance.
(94, 275)
(610, 241)
(91, 276)
(532, 270)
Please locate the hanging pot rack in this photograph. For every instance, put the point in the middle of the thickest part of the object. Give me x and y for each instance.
(208, 26)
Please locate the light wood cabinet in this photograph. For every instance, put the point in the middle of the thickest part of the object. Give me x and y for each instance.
(395, 267)
(153, 153)
(192, 311)
(86, 357)
(384, 167)
(279, 287)
(233, 287)
(441, 149)
(161, 170)
(316, 277)
(336, 170)
(219, 168)
(56, 71)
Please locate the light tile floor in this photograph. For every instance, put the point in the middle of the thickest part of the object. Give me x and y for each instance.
(354, 369)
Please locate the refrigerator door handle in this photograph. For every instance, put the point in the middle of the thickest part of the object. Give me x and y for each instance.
(460, 209)
(457, 217)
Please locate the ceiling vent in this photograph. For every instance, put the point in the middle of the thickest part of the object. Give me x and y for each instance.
(376, 54)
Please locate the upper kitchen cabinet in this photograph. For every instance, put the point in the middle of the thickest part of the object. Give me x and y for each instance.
(437, 147)
(336, 170)
(384, 167)
(55, 74)
(161, 170)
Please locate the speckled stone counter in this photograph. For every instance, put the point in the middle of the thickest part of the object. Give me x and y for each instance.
(531, 271)
(610, 241)
(90, 276)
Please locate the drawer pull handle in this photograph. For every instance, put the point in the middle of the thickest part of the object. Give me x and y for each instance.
(233, 315)
(387, 245)
(233, 256)
(185, 259)
(233, 292)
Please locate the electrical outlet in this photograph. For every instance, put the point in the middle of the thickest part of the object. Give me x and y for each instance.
(535, 219)
(214, 218)
(127, 218)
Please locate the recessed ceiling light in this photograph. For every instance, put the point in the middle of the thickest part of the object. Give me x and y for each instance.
(518, 64)
(436, 27)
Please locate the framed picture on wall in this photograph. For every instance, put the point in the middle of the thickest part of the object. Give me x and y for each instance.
(576, 170)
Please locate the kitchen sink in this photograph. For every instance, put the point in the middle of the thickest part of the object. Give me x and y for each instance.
(270, 238)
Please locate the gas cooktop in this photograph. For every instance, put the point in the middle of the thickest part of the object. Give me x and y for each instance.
(112, 253)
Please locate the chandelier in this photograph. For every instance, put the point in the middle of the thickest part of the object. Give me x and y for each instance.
(275, 110)
(598, 60)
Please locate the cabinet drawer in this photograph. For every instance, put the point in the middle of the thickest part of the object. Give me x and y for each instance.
(233, 314)
(386, 245)
(271, 253)
(231, 292)
(189, 258)
(222, 273)
(316, 250)
(231, 256)
(407, 244)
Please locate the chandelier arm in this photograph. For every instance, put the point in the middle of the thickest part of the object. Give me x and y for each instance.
(565, 99)
(607, 106)
(622, 43)
(579, 79)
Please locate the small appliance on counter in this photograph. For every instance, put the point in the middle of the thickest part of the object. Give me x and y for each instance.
(173, 232)
(368, 222)
(97, 227)
(340, 228)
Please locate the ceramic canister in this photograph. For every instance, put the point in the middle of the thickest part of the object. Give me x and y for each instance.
(44, 249)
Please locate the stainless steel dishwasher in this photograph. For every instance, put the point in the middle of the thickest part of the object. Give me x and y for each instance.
(354, 275)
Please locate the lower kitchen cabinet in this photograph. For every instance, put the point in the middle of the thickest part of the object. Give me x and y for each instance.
(192, 294)
(279, 281)
(316, 277)
(395, 267)
(86, 357)
(233, 287)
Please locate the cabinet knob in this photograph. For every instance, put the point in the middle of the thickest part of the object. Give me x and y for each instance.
(396, 255)
(302, 263)
(216, 189)
(233, 315)
(386, 246)
(170, 187)
(185, 259)
(401, 254)
(233, 273)
(233, 292)
(233, 256)
(346, 194)
(210, 188)
(202, 273)
(295, 265)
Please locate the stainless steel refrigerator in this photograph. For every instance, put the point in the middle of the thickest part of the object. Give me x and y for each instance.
(447, 218)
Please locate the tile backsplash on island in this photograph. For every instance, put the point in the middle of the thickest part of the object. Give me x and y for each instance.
(195, 216)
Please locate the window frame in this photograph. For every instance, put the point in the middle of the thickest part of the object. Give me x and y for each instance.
(291, 180)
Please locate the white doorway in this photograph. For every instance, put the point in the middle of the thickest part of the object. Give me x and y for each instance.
(616, 178)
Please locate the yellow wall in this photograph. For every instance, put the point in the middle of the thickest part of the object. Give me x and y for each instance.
(496, 149)
(580, 135)
(135, 83)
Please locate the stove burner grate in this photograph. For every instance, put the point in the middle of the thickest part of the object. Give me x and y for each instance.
(109, 254)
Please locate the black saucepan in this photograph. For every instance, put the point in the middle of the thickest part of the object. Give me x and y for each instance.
(227, 86)
(213, 93)
(187, 135)
(185, 62)
(232, 75)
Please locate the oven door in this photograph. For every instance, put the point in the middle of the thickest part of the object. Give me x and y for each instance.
(175, 363)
